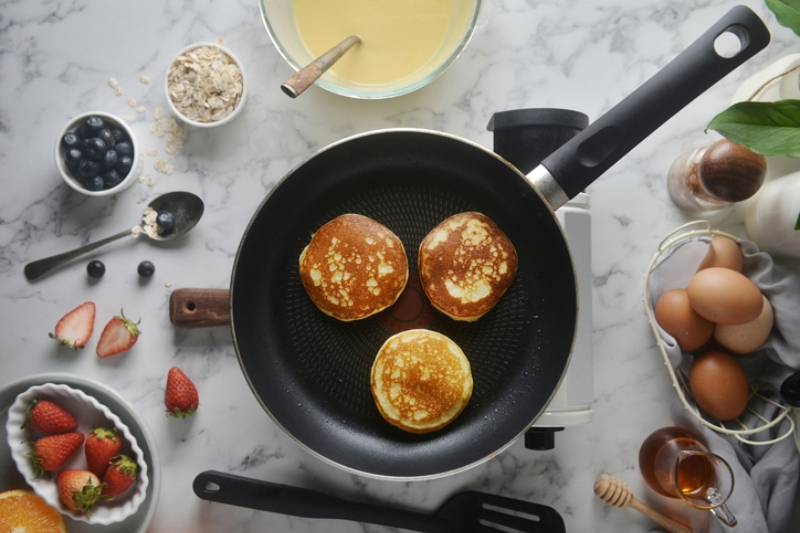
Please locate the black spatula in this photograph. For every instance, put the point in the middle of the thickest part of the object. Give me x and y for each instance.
(465, 512)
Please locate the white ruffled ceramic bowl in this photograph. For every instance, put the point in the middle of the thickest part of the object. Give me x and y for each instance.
(90, 414)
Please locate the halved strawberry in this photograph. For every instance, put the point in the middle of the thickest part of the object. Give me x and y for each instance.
(75, 328)
(119, 335)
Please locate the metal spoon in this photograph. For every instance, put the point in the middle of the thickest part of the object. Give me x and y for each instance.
(307, 75)
(185, 206)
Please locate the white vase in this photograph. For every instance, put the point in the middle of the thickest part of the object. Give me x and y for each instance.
(771, 216)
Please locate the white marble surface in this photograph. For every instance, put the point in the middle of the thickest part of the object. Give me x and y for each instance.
(582, 54)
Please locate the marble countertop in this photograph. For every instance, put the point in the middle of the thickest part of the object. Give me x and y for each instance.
(586, 55)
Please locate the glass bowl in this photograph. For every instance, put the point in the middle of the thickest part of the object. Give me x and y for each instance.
(278, 16)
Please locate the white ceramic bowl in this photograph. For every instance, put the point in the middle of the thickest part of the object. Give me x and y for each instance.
(134, 172)
(212, 124)
(90, 414)
(278, 17)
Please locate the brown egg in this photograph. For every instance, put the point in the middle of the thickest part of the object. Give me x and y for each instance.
(675, 315)
(723, 252)
(719, 385)
(724, 296)
(745, 338)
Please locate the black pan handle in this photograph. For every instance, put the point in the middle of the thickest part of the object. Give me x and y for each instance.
(250, 493)
(589, 154)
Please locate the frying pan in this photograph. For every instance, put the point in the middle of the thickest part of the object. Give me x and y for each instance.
(310, 372)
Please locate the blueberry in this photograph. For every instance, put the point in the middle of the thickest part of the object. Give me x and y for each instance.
(95, 148)
(93, 125)
(73, 155)
(124, 148)
(110, 159)
(146, 269)
(107, 136)
(70, 140)
(95, 269)
(124, 165)
(111, 179)
(119, 135)
(88, 169)
(95, 184)
(165, 221)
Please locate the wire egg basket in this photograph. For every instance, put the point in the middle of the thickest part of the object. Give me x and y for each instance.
(677, 259)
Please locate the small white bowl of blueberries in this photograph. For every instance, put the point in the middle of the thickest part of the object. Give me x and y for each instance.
(97, 154)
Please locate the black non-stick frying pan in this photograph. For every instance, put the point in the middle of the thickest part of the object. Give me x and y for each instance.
(311, 372)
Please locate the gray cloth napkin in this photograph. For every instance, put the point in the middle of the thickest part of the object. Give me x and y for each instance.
(766, 476)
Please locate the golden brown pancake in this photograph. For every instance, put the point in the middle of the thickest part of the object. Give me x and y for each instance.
(420, 380)
(353, 267)
(466, 263)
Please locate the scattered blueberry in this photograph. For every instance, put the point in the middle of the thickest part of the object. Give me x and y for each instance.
(165, 221)
(94, 148)
(111, 179)
(107, 136)
(70, 140)
(95, 269)
(95, 184)
(124, 164)
(146, 269)
(110, 159)
(124, 148)
(88, 169)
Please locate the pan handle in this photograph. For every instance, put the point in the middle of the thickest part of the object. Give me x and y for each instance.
(200, 308)
(250, 493)
(584, 158)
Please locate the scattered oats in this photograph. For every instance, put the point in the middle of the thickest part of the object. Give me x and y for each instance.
(141, 178)
(118, 90)
(169, 169)
(158, 113)
(168, 283)
(150, 181)
(170, 149)
(129, 117)
(141, 109)
(205, 84)
(144, 79)
(152, 153)
(135, 231)
(132, 102)
(112, 82)
(219, 41)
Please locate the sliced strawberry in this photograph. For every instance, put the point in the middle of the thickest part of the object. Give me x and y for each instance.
(46, 417)
(119, 335)
(75, 328)
(102, 445)
(49, 454)
(79, 490)
(121, 474)
(180, 398)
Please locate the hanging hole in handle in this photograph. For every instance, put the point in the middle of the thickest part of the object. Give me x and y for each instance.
(731, 42)
(211, 487)
(190, 307)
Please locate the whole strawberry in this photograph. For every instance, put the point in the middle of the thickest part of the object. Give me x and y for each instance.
(79, 490)
(75, 328)
(181, 396)
(46, 417)
(119, 335)
(121, 474)
(49, 454)
(102, 445)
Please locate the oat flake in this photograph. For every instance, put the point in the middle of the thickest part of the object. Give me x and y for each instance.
(112, 82)
(118, 90)
(132, 102)
(144, 79)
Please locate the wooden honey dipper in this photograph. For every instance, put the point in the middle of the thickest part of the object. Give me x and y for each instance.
(617, 494)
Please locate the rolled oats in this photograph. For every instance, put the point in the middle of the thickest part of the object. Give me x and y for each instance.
(144, 79)
(118, 90)
(205, 84)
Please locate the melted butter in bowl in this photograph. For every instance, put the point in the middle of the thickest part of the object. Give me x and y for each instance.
(405, 43)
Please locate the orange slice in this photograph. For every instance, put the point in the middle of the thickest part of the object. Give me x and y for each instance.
(22, 511)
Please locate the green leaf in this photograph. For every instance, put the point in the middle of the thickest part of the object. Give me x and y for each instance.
(787, 12)
(766, 128)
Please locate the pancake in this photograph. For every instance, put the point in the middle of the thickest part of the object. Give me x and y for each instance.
(420, 380)
(466, 263)
(353, 267)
